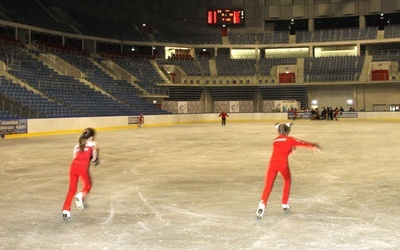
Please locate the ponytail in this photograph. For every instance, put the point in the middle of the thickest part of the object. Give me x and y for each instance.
(82, 142)
(87, 133)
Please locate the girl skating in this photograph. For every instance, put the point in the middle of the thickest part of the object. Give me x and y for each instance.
(282, 145)
(84, 153)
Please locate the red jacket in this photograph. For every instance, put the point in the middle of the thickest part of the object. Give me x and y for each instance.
(82, 158)
(283, 146)
(223, 114)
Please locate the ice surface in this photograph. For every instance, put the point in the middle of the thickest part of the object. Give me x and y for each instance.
(198, 186)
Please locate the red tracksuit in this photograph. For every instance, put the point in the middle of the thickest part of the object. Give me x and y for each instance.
(80, 169)
(223, 115)
(283, 145)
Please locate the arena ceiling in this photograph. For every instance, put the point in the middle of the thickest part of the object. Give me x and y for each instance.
(193, 12)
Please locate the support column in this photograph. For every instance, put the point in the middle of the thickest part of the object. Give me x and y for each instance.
(311, 25)
(208, 103)
(361, 21)
(257, 102)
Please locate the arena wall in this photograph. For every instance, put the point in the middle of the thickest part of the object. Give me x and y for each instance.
(66, 125)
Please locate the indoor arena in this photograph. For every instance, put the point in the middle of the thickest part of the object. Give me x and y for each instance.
(198, 185)
(184, 96)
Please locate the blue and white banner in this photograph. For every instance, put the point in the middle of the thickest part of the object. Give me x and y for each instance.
(17, 126)
(349, 115)
(300, 114)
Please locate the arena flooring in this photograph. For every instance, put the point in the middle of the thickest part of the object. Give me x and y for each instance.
(197, 186)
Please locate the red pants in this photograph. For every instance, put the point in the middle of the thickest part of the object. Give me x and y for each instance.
(274, 168)
(76, 173)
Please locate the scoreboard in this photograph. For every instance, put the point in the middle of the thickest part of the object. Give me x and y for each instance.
(225, 16)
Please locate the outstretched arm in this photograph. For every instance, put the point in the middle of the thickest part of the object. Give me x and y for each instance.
(301, 143)
(95, 156)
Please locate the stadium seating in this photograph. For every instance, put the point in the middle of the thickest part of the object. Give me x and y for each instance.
(185, 93)
(147, 76)
(333, 69)
(392, 31)
(187, 38)
(259, 38)
(234, 67)
(189, 66)
(233, 93)
(334, 35)
(58, 95)
(243, 38)
(119, 89)
(38, 106)
(66, 90)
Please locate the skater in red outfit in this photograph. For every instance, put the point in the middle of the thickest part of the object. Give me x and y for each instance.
(223, 116)
(84, 153)
(141, 120)
(282, 145)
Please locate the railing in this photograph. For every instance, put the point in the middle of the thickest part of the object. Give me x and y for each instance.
(56, 50)
(157, 91)
(345, 77)
(16, 109)
(120, 89)
(43, 85)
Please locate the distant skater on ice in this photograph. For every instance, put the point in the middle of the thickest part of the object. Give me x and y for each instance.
(223, 116)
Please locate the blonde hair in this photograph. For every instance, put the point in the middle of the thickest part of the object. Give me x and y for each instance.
(283, 129)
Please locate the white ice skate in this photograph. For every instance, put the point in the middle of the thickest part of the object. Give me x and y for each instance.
(79, 201)
(66, 214)
(260, 210)
(285, 208)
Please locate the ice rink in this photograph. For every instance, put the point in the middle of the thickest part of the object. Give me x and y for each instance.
(197, 186)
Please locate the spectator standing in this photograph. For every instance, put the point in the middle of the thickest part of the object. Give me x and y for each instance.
(323, 113)
(330, 113)
(294, 114)
(336, 113)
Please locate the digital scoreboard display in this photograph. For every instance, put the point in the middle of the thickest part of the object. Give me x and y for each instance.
(225, 16)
